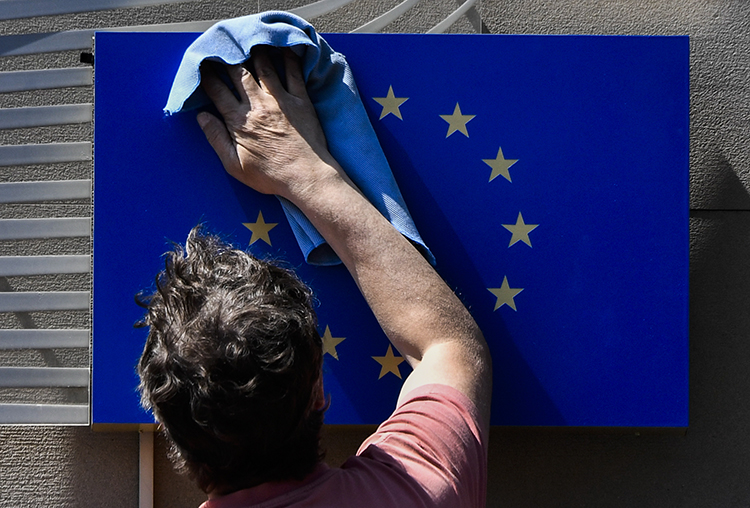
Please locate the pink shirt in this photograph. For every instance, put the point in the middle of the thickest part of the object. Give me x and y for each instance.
(431, 452)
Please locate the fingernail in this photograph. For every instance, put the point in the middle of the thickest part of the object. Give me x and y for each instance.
(202, 119)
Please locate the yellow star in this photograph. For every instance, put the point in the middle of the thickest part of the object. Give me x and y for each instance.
(500, 165)
(260, 229)
(505, 295)
(520, 231)
(330, 342)
(457, 121)
(390, 104)
(389, 363)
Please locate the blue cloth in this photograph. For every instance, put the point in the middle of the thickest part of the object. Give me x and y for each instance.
(331, 87)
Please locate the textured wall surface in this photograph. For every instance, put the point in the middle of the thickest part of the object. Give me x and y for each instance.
(707, 466)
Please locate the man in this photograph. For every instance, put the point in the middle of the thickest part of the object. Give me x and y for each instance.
(232, 365)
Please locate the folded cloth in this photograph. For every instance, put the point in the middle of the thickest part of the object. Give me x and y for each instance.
(331, 87)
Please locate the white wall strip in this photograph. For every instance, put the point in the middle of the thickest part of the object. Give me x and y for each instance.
(18, 266)
(50, 153)
(39, 116)
(24, 229)
(44, 339)
(313, 10)
(33, 301)
(54, 190)
(44, 414)
(19, 81)
(187, 26)
(383, 20)
(15, 9)
(452, 18)
(39, 377)
(28, 44)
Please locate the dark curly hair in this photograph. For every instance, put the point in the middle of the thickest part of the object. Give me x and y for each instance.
(232, 366)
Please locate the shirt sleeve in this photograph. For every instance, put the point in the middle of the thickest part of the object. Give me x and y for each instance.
(434, 437)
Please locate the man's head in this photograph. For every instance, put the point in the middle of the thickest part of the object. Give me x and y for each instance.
(232, 366)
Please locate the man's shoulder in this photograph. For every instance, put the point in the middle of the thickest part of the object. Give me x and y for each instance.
(432, 445)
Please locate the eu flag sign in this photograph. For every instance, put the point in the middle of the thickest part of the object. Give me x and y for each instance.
(548, 175)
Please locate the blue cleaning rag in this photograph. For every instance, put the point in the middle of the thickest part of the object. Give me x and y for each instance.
(331, 87)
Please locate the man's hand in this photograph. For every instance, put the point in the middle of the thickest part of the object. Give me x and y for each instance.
(271, 138)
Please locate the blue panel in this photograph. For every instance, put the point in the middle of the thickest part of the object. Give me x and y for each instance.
(599, 129)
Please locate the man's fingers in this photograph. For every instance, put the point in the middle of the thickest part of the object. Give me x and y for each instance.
(295, 81)
(246, 88)
(265, 71)
(218, 136)
(217, 91)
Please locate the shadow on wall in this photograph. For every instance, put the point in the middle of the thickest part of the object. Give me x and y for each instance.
(716, 186)
(170, 488)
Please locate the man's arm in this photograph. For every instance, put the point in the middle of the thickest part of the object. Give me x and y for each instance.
(272, 141)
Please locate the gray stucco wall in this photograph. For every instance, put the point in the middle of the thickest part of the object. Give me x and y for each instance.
(707, 466)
